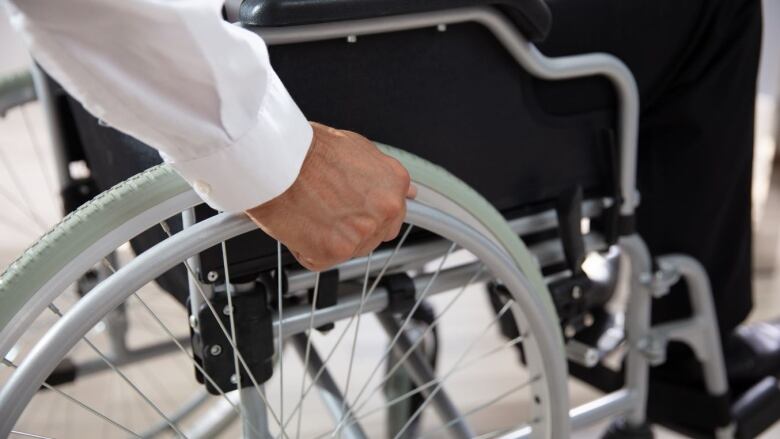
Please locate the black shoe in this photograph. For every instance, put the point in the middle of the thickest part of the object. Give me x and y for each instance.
(752, 352)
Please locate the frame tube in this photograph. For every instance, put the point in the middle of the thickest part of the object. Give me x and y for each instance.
(525, 53)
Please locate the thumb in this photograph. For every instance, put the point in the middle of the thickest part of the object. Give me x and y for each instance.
(411, 193)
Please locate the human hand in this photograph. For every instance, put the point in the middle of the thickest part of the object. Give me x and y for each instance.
(348, 198)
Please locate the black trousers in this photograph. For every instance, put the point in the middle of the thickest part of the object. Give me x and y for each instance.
(696, 64)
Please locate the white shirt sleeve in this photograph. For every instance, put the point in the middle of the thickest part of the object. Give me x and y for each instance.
(176, 76)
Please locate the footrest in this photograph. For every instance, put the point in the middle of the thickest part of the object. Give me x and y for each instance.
(757, 409)
(692, 412)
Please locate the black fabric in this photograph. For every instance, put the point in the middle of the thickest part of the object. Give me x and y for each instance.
(459, 100)
(696, 64)
(113, 157)
(531, 16)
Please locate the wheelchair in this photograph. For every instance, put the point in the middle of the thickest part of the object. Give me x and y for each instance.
(524, 217)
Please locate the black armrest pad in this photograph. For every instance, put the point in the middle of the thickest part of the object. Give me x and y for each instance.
(532, 17)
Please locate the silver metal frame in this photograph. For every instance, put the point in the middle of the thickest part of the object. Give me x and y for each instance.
(645, 342)
(58, 341)
(632, 399)
(525, 53)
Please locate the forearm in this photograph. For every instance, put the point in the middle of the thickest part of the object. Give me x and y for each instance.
(176, 76)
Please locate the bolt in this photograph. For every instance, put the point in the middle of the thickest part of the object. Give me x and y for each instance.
(212, 276)
(233, 379)
(588, 320)
(226, 310)
(441, 28)
(215, 350)
(194, 323)
(570, 331)
(352, 38)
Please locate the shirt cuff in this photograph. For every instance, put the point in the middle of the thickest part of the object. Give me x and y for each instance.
(258, 166)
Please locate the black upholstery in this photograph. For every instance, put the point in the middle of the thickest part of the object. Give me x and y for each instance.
(456, 98)
(531, 16)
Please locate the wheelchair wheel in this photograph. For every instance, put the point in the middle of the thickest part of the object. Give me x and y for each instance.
(25, 216)
(58, 363)
(31, 191)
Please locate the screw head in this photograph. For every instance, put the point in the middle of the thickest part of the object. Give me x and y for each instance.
(352, 38)
(215, 350)
(194, 324)
(212, 276)
(233, 379)
(441, 28)
(576, 292)
(589, 320)
(226, 310)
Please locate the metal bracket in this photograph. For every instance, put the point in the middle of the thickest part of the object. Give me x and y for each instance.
(253, 336)
(663, 279)
(653, 347)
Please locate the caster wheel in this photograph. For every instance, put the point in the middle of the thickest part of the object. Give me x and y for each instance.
(620, 429)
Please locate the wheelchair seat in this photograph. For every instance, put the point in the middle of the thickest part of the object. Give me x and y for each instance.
(532, 17)
(456, 98)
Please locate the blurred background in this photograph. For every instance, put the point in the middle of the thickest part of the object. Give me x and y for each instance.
(17, 230)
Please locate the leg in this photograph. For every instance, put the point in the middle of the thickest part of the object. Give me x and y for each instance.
(695, 63)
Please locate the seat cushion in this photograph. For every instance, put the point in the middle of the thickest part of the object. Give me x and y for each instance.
(532, 17)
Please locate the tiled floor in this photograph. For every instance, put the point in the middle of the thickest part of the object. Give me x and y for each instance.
(30, 206)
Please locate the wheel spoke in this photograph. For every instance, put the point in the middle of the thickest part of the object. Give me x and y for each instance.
(26, 212)
(484, 405)
(123, 376)
(416, 343)
(77, 402)
(21, 433)
(454, 367)
(354, 340)
(231, 315)
(178, 344)
(19, 227)
(280, 335)
(226, 333)
(349, 322)
(24, 195)
(37, 149)
(309, 334)
(418, 389)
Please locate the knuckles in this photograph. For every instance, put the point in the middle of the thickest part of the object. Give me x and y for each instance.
(391, 207)
(341, 249)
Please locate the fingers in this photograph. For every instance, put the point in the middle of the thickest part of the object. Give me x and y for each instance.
(348, 198)
(311, 264)
(411, 193)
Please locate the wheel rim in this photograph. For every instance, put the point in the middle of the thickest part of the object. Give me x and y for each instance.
(420, 215)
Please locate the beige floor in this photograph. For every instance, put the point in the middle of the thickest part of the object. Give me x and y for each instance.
(30, 207)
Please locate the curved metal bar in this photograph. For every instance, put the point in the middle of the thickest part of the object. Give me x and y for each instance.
(64, 334)
(58, 341)
(68, 274)
(523, 51)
